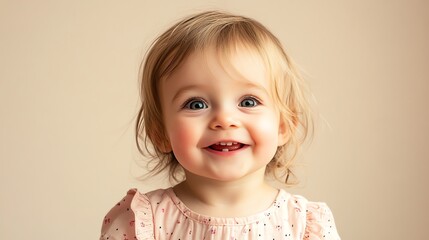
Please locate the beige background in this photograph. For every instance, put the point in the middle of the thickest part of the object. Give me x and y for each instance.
(68, 100)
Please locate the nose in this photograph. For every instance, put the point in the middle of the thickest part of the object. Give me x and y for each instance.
(223, 119)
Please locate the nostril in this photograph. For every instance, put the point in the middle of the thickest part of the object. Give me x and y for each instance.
(223, 126)
(223, 121)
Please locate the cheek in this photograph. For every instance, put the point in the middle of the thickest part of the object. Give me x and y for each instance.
(265, 133)
(267, 126)
(182, 136)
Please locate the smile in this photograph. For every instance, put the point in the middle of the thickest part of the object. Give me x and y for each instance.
(226, 146)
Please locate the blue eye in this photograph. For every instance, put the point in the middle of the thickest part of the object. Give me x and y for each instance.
(249, 102)
(195, 104)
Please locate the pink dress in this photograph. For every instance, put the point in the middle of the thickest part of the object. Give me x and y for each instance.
(161, 215)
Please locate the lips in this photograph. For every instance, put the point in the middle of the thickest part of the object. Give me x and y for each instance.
(226, 146)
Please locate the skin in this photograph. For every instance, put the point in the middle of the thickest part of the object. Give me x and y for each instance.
(206, 102)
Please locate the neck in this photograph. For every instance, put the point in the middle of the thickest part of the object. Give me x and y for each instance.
(226, 198)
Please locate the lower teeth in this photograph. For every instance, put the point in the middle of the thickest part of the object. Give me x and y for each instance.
(225, 150)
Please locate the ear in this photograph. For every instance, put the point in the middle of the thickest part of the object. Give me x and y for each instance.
(283, 137)
(286, 131)
(161, 141)
(164, 145)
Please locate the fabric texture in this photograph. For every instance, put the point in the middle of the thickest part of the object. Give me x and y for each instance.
(161, 215)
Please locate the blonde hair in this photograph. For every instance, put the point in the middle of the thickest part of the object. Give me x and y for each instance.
(221, 30)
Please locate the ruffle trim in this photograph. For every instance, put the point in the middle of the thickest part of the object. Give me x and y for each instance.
(143, 216)
(119, 221)
(320, 222)
(228, 221)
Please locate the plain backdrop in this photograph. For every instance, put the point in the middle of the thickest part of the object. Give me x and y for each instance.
(69, 98)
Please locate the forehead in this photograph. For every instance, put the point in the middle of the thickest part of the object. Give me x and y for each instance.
(236, 63)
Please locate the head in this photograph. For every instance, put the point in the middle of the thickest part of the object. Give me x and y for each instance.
(221, 36)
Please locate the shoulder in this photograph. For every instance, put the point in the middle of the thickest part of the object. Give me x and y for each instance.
(131, 217)
(314, 219)
(119, 221)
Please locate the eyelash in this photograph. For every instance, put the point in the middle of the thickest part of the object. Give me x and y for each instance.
(191, 100)
(258, 102)
(186, 104)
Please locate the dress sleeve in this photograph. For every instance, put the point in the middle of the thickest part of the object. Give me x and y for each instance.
(120, 222)
(320, 223)
(142, 209)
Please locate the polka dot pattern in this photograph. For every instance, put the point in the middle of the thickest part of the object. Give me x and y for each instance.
(161, 215)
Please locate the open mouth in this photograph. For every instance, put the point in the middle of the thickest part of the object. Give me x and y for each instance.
(226, 146)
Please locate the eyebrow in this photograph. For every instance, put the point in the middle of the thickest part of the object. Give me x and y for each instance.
(256, 86)
(185, 89)
(247, 85)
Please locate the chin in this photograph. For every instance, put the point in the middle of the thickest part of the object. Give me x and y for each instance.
(232, 176)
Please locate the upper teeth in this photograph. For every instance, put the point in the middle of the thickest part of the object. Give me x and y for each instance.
(226, 143)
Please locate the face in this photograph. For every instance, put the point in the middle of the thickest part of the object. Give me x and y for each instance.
(221, 120)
